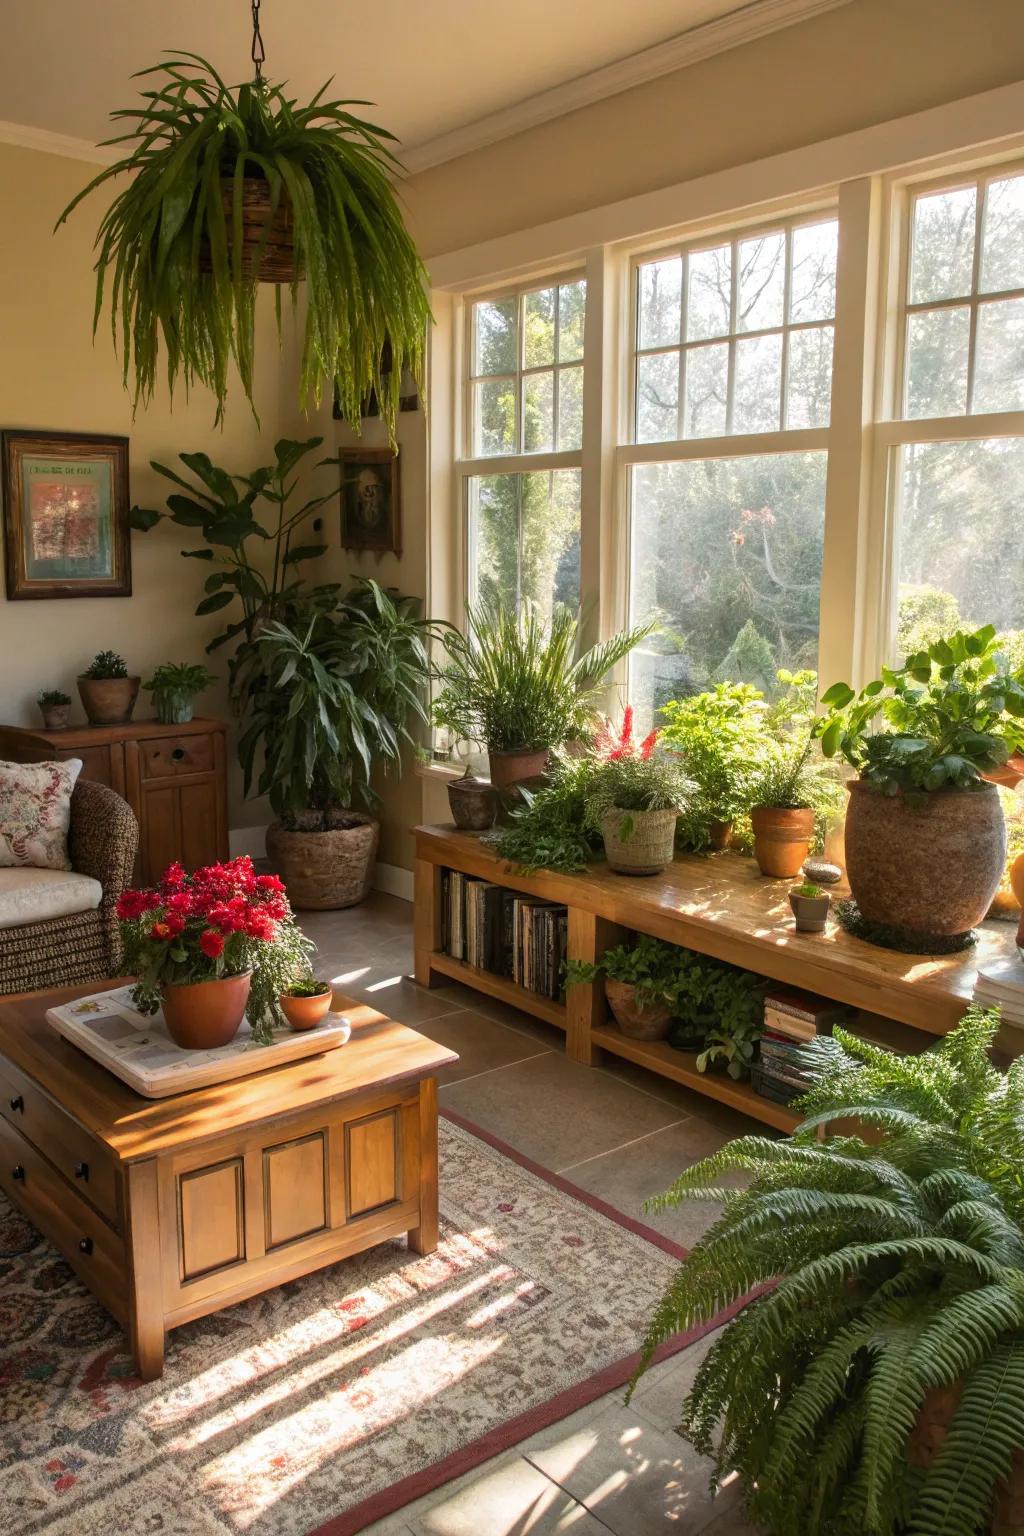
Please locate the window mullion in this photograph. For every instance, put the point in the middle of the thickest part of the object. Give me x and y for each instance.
(972, 335)
(787, 295)
(734, 284)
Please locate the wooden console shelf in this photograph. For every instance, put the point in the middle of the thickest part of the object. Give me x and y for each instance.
(719, 905)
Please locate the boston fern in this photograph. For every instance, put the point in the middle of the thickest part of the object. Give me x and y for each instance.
(172, 243)
(877, 1386)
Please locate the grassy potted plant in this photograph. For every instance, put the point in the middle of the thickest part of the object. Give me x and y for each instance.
(306, 1003)
(326, 702)
(809, 905)
(793, 792)
(925, 836)
(634, 798)
(108, 694)
(875, 1383)
(174, 686)
(55, 708)
(231, 186)
(720, 735)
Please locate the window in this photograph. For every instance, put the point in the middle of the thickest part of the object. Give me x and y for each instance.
(524, 408)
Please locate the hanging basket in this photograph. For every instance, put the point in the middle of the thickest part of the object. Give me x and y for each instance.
(277, 262)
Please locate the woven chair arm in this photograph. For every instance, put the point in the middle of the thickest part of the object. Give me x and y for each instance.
(104, 838)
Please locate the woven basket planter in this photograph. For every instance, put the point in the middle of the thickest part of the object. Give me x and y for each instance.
(277, 262)
(639, 842)
(326, 870)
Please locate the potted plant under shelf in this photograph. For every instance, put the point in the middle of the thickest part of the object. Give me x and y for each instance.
(634, 798)
(55, 708)
(174, 686)
(925, 835)
(721, 735)
(305, 1004)
(211, 948)
(108, 694)
(810, 905)
(638, 984)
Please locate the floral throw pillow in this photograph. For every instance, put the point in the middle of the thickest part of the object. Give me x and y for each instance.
(35, 813)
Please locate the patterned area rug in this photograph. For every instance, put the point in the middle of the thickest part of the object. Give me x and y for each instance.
(333, 1400)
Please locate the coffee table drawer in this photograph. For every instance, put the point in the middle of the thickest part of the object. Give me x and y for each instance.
(87, 1166)
(165, 757)
(83, 1237)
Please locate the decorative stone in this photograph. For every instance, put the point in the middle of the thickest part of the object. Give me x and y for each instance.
(821, 872)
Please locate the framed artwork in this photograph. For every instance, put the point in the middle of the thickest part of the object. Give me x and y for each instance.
(65, 515)
(371, 510)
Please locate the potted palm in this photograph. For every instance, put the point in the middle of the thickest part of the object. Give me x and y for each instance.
(326, 701)
(174, 686)
(925, 836)
(875, 1382)
(231, 186)
(108, 694)
(720, 735)
(635, 796)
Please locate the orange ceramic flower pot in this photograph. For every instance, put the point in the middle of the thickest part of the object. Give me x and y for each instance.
(204, 1014)
(782, 839)
(306, 1012)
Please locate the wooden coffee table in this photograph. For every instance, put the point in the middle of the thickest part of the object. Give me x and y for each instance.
(171, 1209)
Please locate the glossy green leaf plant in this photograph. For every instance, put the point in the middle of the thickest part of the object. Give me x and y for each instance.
(172, 253)
(876, 1383)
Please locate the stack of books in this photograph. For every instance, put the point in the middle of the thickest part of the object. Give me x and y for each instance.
(498, 930)
(792, 1020)
(1000, 984)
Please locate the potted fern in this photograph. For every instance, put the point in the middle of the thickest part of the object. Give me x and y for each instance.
(876, 1382)
(231, 186)
(174, 686)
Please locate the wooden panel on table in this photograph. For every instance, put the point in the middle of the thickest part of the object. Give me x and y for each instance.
(423, 1237)
(211, 1218)
(295, 1189)
(146, 1307)
(372, 1162)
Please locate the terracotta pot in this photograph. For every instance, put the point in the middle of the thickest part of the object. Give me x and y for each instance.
(810, 912)
(326, 870)
(55, 716)
(204, 1014)
(926, 1440)
(640, 1021)
(782, 839)
(639, 842)
(108, 700)
(1005, 907)
(306, 1012)
(930, 862)
(509, 768)
(719, 835)
(473, 802)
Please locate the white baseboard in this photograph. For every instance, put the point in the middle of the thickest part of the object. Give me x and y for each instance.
(390, 878)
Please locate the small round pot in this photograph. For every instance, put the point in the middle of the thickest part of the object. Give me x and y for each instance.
(929, 863)
(306, 1012)
(474, 804)
(719, 835)
(174, 707)
(202, 1015)
(325, 870)
(639, 842)
(108, 700)
(510, 768)
(55, 716)
(810, 912)
(782, 839)
(640, 1021)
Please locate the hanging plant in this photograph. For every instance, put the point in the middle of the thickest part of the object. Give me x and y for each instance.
(234, 186)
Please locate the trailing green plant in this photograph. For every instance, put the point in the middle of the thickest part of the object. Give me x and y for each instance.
(105, 665)
(515, 681)
(940, 721)
(180, 677)
(50, 697)
(550, 829)
(647, 964)
(329, 699)
(720, 736)
(172, 242)
(897, 1269)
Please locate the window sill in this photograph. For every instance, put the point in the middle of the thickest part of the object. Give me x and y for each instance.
(440, 773)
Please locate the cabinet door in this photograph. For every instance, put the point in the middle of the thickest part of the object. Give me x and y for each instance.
(180, 821)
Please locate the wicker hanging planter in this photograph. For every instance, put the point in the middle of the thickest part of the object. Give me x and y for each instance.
(268, 235)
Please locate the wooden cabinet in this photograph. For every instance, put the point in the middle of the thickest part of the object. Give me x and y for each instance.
(174, 778)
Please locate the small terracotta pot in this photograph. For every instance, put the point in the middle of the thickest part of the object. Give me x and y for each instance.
(719, 835)
(55, 716)
(640, 1021)
(306, 1012)
(201, 1015)
(473, 802)
(108, 700)
(509, 768)
(810, 912)
(782, 839)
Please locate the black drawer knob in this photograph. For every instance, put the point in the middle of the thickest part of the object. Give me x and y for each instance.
(85, 1245)
(82, 1171)
(18, 1104)
(18, 1172)
(178, 754)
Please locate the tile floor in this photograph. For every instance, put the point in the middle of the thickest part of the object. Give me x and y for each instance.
(621, 1133)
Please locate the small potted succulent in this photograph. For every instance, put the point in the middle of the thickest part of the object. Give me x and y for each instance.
(810, 906)
(55, 707)
(174, 686)
(306, 1003)
(634, 799)
(108, 694)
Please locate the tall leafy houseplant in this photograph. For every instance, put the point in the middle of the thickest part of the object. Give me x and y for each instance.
(234, 185)
(925, 837)
(879, 1387)
(327, 700)
(721, 736)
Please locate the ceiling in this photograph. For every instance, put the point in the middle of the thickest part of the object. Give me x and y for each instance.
(430, 66)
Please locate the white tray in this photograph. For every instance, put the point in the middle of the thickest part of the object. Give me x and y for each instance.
(137, 1048)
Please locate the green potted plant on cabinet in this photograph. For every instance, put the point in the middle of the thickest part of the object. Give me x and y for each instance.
(720, 735)
(55, 708)
(875, 1383)
(174, 686)
(635, 796)
(925, 836)
(108, 694)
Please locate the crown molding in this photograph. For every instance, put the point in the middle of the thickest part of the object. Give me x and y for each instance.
(751, 21)
(47, 143)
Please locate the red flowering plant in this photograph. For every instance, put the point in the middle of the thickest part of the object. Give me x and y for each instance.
(220, 921)
(630, 776)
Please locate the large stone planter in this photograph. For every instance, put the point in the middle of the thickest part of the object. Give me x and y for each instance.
(325, 870)
(927, 863)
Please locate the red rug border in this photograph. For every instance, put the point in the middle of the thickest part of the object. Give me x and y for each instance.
(502, 1438)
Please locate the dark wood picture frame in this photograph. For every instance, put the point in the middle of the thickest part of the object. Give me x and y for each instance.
(56, 545)
(371, 500)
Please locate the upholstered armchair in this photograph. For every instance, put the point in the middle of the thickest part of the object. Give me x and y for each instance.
(59, 928)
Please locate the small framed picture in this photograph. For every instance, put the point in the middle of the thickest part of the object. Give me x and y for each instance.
(371, 511)
(65, 515)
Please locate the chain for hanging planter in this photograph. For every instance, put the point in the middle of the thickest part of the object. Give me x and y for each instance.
(233, 186)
